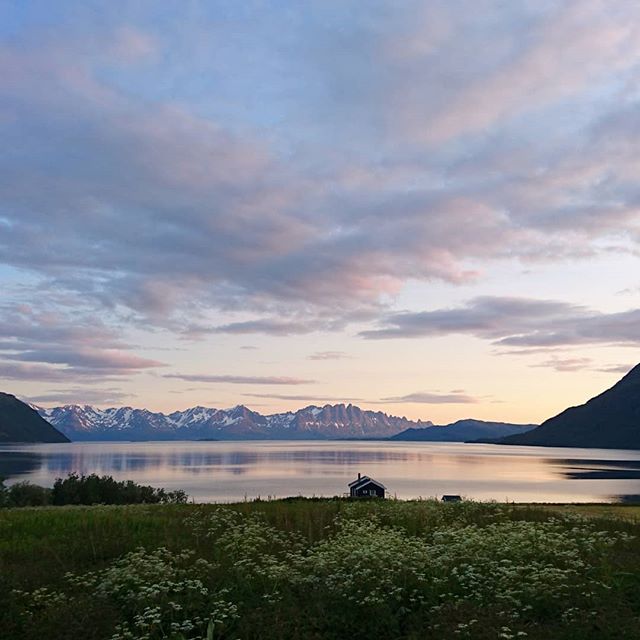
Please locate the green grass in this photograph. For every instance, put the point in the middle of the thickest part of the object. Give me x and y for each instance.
(320, 569)
(629, 512)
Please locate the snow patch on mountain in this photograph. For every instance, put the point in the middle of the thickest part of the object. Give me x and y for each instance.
(84, 422)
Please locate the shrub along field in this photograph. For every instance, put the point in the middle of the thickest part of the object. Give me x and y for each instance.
(81, 489)
(318, 569)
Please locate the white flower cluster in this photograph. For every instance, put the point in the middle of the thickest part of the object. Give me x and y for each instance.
(162, 594)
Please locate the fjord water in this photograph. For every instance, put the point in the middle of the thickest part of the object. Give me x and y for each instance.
(231, 471)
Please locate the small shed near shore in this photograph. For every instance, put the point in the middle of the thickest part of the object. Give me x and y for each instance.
(451, 498)
(366, 487)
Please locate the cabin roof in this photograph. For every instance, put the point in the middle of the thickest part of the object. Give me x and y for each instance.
(365, 480)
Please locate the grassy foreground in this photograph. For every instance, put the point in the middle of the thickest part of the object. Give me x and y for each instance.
(319, 569)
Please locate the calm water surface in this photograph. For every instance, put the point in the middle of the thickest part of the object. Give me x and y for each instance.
(229, 471)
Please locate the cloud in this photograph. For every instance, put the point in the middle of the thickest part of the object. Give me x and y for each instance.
(268, 326)
(544, 68)
(432, 398)
(299, 188)
(92, 358)
(566, 364)
(81, 396)
(516, 322)
(304, 398)
(172, 211)
(132, 45)
(47, 344)
(29, 372)
(618, 368)
(267, 380)
(629, 291)
(328, 355)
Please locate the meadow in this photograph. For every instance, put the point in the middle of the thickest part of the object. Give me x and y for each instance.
(319, 569)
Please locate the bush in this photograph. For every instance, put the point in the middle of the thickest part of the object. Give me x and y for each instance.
(86, 490)
(94, 489)
(25, 494)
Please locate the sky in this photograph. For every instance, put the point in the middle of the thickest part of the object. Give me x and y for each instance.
(428, 208)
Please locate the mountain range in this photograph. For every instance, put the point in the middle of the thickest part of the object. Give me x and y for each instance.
(84, 422)
(611, 420)
(463, 431)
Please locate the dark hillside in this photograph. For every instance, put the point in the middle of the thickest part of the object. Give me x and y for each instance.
(20, 423)
(608, 421)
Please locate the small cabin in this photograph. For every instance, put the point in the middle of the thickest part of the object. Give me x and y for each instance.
(451, 498)
(366, 487)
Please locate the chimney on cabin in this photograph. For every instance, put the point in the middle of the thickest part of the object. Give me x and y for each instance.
(358, 476)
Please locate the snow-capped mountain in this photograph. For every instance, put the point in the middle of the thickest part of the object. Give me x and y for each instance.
(339, 421)
(84, 422)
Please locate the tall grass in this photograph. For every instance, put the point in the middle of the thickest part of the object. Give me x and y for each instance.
(319, 569)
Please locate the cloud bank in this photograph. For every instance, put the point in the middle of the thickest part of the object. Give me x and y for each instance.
(516, 322)
(268, 380)
(187, 174)
(156, 205)
(41, 343)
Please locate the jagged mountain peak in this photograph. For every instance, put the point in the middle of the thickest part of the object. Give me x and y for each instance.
(240, 408)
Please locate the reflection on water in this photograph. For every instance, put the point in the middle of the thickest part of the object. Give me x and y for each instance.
(627, 499)
(18, 463)
(600, 469)
(223, 471)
